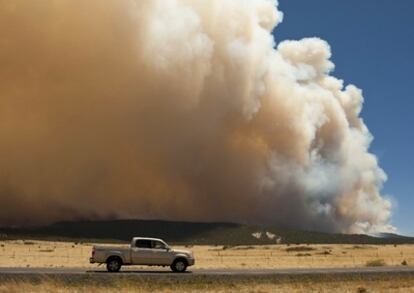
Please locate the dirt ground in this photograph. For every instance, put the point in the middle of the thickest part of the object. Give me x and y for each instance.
(28, 253)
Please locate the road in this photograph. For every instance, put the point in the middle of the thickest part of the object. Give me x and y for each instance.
(27, 273)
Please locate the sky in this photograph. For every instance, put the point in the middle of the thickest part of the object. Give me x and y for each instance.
(372, 43)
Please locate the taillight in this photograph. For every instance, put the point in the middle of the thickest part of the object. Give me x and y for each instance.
(93, 252)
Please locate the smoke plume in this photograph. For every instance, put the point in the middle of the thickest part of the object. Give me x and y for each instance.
(178, 109)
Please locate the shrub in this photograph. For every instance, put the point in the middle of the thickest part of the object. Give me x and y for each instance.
(46, 250)
(375, 263)
(404, 263)
(303, 254)
(246, 248)
(299, 248)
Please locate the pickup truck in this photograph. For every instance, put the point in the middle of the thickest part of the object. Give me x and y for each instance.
(142, 251)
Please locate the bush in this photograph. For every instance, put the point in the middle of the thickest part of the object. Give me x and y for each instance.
(225, 247)
(303, 254)
(375, 263)
(247, 248)
(46, 250)
(299, 248)
(404, 263)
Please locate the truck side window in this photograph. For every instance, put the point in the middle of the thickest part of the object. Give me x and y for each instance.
(143, 243)
(158, 245)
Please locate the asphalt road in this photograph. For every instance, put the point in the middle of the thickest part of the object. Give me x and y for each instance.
(203, 272)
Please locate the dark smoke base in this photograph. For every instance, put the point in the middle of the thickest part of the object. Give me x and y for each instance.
(188, 233)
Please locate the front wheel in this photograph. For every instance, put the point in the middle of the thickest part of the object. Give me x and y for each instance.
(179, 265)
(114, 264)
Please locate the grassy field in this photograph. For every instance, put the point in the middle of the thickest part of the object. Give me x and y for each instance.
(383, 283)
(31, 253)
(34, 253)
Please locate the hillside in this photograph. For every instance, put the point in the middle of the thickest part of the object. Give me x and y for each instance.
(191, 233)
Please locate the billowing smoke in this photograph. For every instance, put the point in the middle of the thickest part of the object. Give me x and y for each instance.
(178, 109)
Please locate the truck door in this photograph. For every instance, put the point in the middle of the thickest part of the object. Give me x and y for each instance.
(142, 253)
(160, 253)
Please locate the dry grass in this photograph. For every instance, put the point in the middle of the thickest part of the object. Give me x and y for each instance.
(68, 254)
(397, 284)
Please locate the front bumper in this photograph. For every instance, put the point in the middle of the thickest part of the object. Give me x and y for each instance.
(191, 261)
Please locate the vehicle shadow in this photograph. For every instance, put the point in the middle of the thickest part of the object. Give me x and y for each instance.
(146, 272)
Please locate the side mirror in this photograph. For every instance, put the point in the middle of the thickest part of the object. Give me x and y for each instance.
(167, 248)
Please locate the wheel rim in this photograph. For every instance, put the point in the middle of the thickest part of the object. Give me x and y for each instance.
(113, 265)
(180, 266)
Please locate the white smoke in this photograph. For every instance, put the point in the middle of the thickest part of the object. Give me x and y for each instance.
(178, 109)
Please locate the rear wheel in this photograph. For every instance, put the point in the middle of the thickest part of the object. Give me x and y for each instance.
(113, 264)
(179, 265)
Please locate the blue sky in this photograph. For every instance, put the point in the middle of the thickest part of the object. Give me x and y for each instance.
(373, 45)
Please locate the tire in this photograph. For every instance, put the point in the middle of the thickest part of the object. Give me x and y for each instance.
(114, 264)
(179, 265)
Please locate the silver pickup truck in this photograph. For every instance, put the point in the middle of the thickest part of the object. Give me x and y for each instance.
(142, 251)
